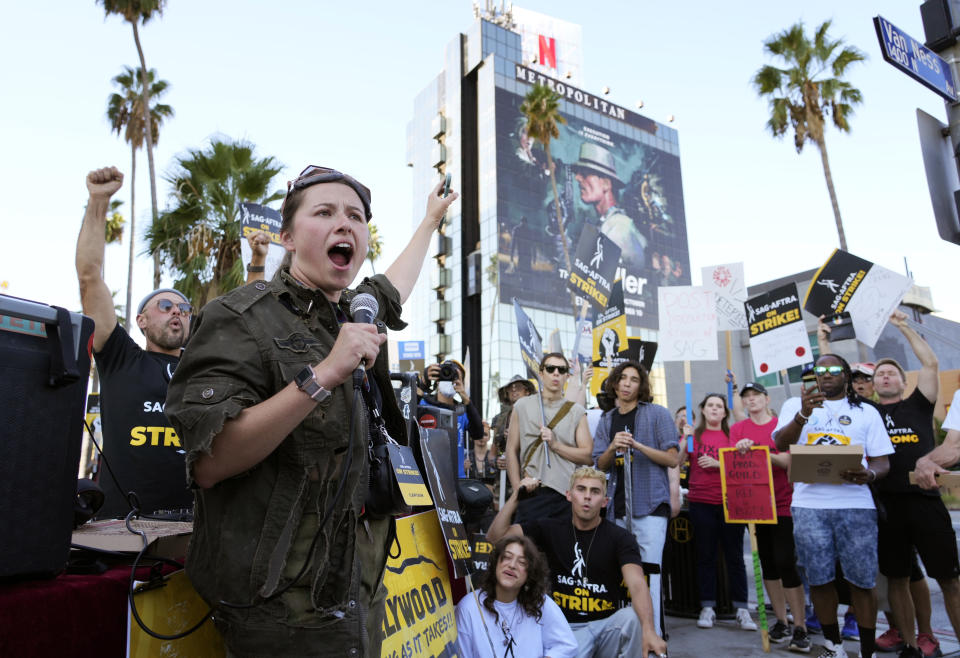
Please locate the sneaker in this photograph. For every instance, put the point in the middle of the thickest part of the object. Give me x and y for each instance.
(813, 624)
(744, 621)
(910, 652)
(831, 650)
(779, 632)
(707, 617)
(800, 641)
(929, 645)
(890, 640)
(850, 629)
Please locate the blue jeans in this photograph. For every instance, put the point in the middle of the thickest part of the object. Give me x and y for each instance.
(709, 530)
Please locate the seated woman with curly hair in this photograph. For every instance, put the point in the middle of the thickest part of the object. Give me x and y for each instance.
(510, 615)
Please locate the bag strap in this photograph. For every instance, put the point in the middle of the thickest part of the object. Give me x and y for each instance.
(561, 412)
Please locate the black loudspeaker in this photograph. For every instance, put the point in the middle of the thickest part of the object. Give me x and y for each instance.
(44, 368)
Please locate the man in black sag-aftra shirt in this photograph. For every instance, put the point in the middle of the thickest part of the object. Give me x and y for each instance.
(140, 447)
(589, 558)
(915, 518)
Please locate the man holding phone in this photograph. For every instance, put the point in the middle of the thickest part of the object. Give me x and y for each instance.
(837, 521)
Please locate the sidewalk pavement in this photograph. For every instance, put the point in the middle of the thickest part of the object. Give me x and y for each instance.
(726, 640)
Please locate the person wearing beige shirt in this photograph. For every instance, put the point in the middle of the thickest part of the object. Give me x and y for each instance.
(560, 430)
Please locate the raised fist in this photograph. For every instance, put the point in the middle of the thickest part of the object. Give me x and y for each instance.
(103, 183)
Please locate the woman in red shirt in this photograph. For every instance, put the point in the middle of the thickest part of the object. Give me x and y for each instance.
(706, 514)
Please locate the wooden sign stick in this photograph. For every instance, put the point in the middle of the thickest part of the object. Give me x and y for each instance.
(730, 390)
(758, 581)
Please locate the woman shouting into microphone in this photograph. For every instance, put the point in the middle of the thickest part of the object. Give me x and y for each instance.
(263, 400)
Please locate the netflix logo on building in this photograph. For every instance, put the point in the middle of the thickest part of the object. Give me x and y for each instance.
(550, 46)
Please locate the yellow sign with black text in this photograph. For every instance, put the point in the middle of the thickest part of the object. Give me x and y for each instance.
(418, 615)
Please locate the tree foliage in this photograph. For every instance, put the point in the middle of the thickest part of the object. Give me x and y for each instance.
(807, 89)
(541, 109)
(198, 236)
(125, 106)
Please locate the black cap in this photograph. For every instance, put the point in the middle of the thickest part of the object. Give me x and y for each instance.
(759, 388)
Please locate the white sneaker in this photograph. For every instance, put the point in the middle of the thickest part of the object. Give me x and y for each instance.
(744, 621)
(831, 650)
(707, 617)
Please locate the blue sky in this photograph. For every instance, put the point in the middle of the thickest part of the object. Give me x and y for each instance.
(333, 84)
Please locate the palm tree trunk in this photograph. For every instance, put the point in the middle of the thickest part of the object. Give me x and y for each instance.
(822, 145)
(132, 234)
(149, 130)
(563, 234)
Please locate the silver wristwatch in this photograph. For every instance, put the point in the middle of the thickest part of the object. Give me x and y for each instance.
(306, 381)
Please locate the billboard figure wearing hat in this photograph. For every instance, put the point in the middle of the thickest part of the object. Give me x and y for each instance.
(596, 172)
(141, 448)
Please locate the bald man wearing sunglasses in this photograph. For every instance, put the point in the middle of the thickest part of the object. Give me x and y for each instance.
(140, 447)
(558, 427)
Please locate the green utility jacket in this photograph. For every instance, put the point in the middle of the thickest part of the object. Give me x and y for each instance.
(252, 532)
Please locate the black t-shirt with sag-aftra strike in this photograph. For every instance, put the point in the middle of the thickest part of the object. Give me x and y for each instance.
(585, 565)
(909, 423)
(139, 445)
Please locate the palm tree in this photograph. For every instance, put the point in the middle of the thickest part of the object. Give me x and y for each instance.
(541, 107)
(374, 246)
(199, 236)
(125, 114)
(135, 12)
(809, 88)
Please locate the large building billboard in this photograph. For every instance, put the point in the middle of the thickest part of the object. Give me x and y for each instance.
(630, 191)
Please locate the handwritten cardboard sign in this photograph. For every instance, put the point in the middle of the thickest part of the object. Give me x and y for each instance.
(747, 483)
(688, 324)
(727, 282)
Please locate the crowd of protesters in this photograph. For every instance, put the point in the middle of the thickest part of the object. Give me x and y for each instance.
(832, 543)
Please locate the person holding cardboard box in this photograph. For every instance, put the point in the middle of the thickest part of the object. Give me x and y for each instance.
(916, 518)
(837, 521)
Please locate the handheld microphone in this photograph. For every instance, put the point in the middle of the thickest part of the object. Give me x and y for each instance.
(363, 309)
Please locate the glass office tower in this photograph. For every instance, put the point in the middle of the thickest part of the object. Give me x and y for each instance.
(615, 170)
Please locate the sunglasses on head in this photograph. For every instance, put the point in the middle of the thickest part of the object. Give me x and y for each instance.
(552, 369)
(314, 175)
(823, 370)
(165, 305)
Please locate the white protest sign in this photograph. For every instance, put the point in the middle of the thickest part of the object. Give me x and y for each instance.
(728, 283)
(688, 324)
(868, 292)
(254, 217)
(778, 336)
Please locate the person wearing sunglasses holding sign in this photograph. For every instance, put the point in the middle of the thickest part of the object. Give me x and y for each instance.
(141, 449)
(266, 400)
(837, 521)
(546, 422)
